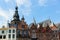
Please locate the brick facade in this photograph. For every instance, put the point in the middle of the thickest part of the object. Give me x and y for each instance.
(33, 32)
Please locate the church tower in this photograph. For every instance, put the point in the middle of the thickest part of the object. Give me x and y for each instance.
(16, 15)
(16, 19)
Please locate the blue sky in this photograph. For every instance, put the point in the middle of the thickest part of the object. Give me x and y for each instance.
(39, 9)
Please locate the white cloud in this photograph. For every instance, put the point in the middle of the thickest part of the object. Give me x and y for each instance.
(3, 13)
(6, 15)
(27, 6)
(26, 3)
(42, 2)
(22, 3)
(19, 2)
(26, 12)
(47, 2)
(6, 0)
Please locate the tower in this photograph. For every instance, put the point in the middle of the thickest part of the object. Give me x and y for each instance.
(22, 19)
(15, 16)
(15, 22)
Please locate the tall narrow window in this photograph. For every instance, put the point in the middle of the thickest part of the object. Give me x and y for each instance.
(0, 36)
(9, 35)
(13, 31)
(9, 31)
(13, 36)
(4, 37)
(26, 33)
(23, 33)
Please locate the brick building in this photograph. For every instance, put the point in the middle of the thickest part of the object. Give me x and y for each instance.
(45, 31)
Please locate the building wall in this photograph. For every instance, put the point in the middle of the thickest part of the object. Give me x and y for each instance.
(4, 32)
(12, 34)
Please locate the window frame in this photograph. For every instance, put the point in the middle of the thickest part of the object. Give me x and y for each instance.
(3, 31)
(9, 36)
(9, 30)
(4, 37)
(13, 36)
(13, 30)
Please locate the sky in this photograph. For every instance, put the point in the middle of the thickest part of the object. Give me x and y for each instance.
(39, 9)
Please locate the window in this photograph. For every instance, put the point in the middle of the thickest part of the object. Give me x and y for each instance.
(2, 31)
(18, 32)
(23, 33)
(4, 36)
(9, 31)
(13, 31)
(9, 35)
(22, 26)
(26, 33)
(0, 36)
(13, 36)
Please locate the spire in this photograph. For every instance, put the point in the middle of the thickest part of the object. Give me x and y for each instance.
(16, 8)
(23, 17)
(34, 21)
(49, 19)
(16, 15)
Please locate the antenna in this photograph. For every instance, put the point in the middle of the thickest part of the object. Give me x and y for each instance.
(50, 19)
